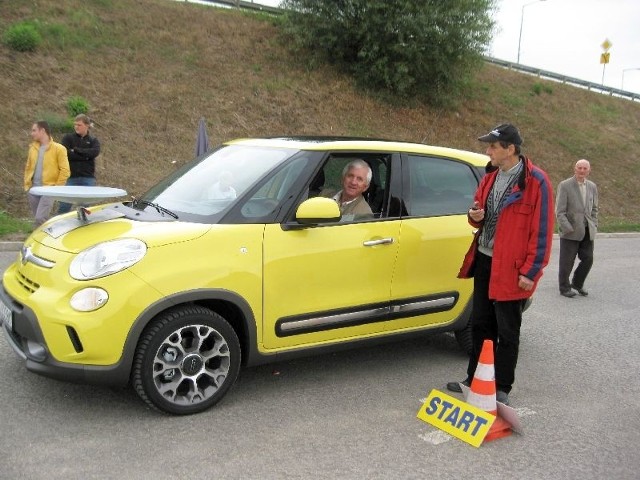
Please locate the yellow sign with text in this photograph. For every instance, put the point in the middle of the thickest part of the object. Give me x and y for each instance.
(458, 418)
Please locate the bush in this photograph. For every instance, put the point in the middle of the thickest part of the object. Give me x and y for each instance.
(406, 47)
(538, 88)
(77, 105)
(22, 37)
(59, 125)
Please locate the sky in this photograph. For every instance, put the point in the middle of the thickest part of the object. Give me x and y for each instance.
(566, 37)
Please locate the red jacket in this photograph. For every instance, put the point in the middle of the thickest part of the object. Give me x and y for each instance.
(524, 232)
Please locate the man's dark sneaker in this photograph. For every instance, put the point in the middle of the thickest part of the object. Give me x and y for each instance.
(455, 386)
(568, 293)
(580, 290)
(502, 397)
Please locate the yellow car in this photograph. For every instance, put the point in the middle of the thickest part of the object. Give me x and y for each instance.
(242, 257)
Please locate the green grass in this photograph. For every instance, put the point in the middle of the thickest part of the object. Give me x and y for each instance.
(616, 226)
(13, 226)
(148, 79)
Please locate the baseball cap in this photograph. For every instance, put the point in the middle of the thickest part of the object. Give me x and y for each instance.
(503, 133)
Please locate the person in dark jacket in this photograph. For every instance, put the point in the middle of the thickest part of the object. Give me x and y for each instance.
(514, 214)
(82, 150)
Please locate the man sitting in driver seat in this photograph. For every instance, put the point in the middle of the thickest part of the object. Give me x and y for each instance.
(356, 177)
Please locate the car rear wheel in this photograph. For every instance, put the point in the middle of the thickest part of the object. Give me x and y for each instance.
(186, 360)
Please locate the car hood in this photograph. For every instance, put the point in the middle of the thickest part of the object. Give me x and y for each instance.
(82, 236)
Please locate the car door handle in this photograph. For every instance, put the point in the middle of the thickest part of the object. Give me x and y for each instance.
(382, 241)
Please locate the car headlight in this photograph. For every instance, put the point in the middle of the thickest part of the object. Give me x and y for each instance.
(106, 258)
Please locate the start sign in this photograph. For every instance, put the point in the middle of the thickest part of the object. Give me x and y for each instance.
(466, 422)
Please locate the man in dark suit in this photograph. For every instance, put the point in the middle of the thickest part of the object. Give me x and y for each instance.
(577, 215)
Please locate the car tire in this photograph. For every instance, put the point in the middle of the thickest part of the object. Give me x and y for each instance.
(464, 338)
(186, 360)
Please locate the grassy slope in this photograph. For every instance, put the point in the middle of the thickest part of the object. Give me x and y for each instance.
(151, 68)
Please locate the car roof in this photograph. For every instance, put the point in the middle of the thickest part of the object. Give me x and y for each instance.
(354, 143)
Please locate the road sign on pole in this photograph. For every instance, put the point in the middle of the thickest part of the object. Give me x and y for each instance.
(604, 57)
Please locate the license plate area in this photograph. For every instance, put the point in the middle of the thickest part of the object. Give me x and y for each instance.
(6, 315)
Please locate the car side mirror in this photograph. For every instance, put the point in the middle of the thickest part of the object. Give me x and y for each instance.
(318, 210)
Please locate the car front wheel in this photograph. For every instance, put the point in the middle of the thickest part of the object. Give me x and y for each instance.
(186, 360)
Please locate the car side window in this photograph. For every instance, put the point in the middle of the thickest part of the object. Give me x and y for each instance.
(439, 186)
(330, 178)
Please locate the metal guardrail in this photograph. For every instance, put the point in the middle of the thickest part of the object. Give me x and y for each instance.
(503, 63)
(564, 79)
(246, 4)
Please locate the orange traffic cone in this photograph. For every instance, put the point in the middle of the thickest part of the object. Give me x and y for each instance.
(483, 392)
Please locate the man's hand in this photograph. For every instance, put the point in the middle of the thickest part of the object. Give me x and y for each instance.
(476, 213)
(525, 283)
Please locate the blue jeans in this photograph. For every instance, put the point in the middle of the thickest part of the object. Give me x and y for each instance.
(76, 181)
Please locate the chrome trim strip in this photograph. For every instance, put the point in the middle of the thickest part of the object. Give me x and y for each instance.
(425, 305)
(334, 320)
(405, 308)
(27, 256)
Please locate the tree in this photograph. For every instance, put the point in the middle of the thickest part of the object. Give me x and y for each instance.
(424, 48)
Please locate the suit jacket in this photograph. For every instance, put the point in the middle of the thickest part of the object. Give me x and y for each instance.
(572, 213)
(357, 209)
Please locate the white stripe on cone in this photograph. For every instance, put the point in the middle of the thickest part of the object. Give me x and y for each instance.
(485, 372)
(483, 402)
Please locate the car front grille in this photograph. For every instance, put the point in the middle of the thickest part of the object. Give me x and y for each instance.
(29, 285)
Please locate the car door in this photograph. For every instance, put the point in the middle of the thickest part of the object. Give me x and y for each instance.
(435, 235)
(327, 283)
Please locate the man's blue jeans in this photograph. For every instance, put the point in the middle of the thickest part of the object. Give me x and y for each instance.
(76, 181)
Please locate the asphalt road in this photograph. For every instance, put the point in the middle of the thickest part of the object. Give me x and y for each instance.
(353, 415)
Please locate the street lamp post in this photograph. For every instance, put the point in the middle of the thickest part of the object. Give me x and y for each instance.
(626, 70)
(521, 22)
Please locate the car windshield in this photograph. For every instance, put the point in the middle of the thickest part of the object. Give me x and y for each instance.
(210, 184)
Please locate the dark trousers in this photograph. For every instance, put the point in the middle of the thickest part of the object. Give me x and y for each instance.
(496, 321)
(568, 251)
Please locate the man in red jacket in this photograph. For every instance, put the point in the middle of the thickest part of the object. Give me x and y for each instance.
(513, 211)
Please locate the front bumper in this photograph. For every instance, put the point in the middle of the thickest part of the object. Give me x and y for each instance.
(25, 337)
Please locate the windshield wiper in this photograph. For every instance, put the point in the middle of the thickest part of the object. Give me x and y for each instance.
(160, 209)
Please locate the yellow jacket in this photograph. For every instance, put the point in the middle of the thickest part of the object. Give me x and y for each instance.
(55, 167)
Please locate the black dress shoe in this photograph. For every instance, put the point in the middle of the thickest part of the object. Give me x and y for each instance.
(455, 386)
(580, 290)
(568, 293)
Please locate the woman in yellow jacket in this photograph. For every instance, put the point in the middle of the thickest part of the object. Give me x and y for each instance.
(47, 165)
